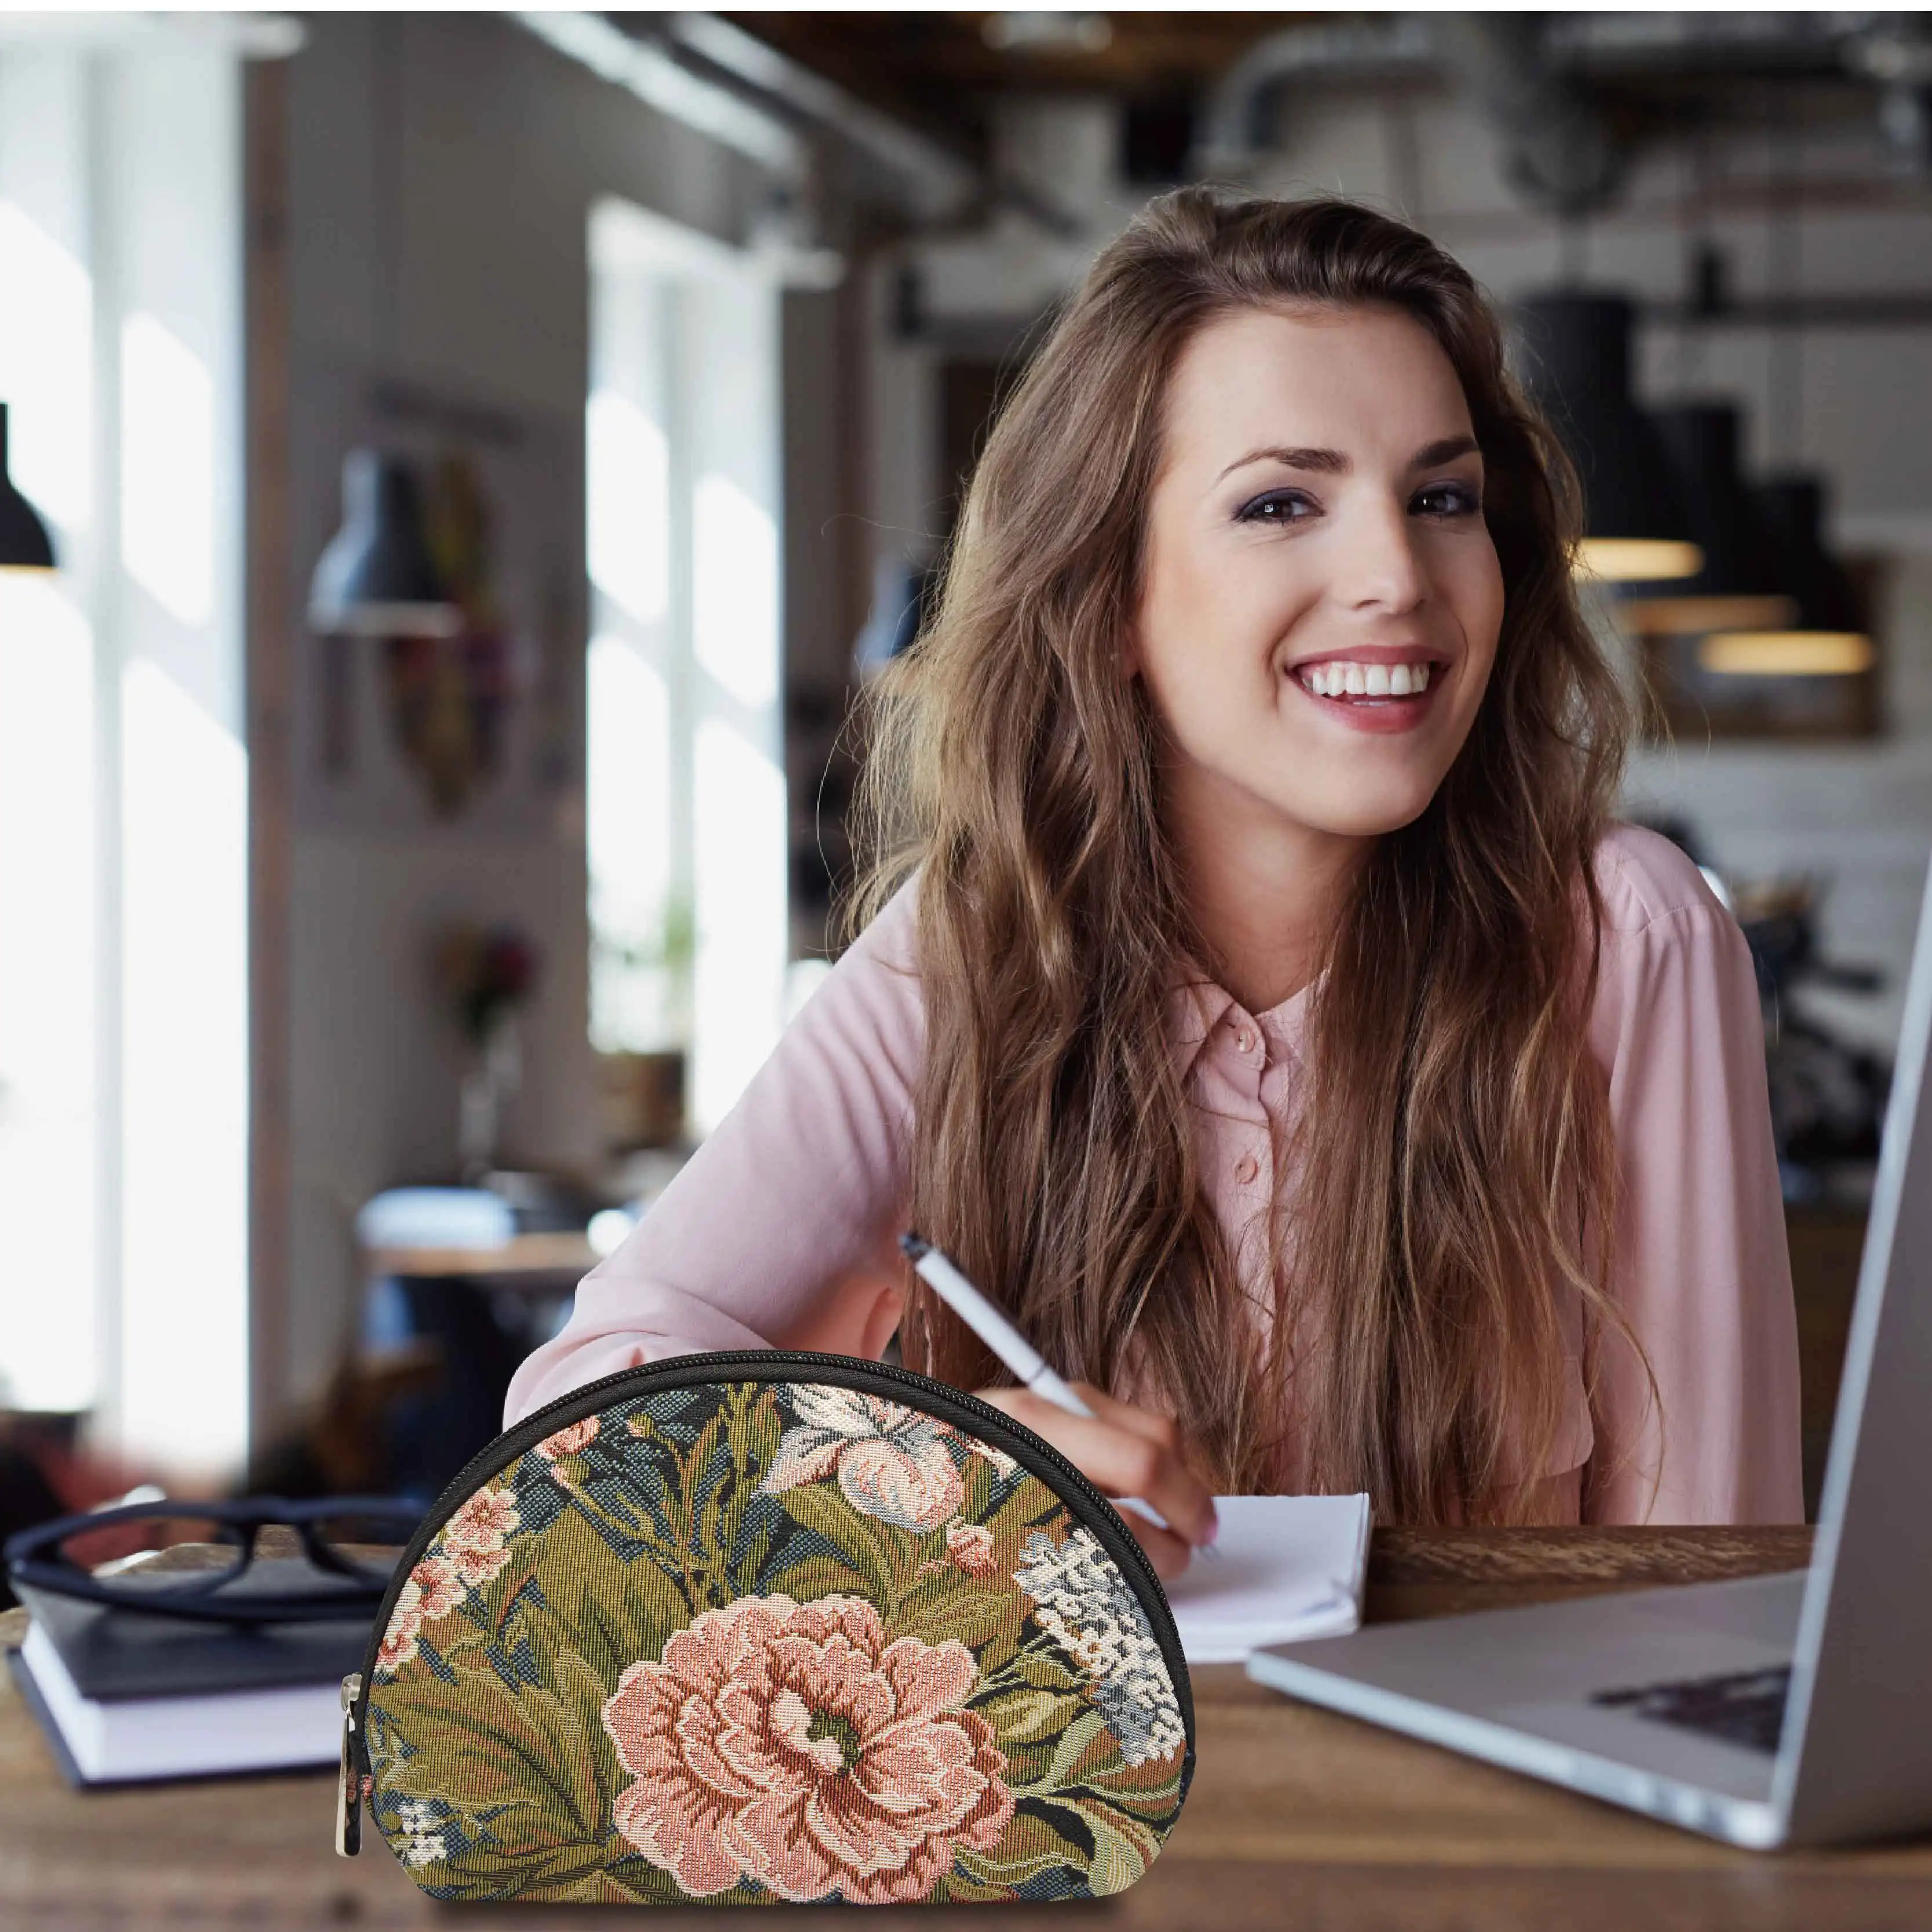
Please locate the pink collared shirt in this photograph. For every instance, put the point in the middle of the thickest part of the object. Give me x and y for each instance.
(781, 1230)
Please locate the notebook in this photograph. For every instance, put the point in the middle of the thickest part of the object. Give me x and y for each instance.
(1283, 1568)
(126, 1698)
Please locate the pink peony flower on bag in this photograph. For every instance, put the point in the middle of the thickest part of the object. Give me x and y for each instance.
(568, 1441)
(473, 1538)
(790, 1744)
(970, 1547)
(432, 1589)
(438, 1586)
(477, 1567)
(917, 1489)
(483, 1522)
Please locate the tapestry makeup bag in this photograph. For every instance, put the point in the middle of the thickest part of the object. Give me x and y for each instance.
(756, 1628)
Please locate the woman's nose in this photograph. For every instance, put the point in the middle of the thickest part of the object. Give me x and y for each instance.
(1379, 566)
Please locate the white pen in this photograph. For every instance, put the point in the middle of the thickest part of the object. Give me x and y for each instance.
(1006, 1341)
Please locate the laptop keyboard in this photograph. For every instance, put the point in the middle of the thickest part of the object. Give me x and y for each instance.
(1744, 1708)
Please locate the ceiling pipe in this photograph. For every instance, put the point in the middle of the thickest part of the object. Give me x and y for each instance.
(1531, 74)
(700, 69)
(661, 83)
(1235, 131)
(1711, 43)
(1558, 150)
(928, 180)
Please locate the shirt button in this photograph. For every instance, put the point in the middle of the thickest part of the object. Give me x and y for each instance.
(1246, 1169)
(1245, 1040)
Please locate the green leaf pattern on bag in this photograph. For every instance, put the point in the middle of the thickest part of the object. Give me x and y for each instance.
(745, 1642)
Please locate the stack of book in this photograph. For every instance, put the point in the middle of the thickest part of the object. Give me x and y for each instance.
(125, 1697)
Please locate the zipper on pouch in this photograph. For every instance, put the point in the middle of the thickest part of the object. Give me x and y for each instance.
(348, 1778)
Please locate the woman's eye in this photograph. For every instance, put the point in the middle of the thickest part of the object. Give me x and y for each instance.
(1449, 500)
(1278, 506)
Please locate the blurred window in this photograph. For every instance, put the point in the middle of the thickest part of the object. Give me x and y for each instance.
(123, 770)
(687, 804)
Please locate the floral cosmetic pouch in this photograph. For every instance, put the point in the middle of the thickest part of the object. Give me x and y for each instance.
(760, 1627)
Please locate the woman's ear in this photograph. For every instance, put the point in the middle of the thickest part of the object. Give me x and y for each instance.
(1129, 659)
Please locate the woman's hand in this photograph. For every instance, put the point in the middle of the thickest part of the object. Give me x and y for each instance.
(1125, 1451)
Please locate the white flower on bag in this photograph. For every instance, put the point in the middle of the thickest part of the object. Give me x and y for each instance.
(399, 1640)
(1003, 1465)
(423, 1842)
(892, 1462)
(1084, 1604)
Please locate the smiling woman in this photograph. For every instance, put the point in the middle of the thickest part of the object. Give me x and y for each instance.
(1252, 988)
(1289, 587)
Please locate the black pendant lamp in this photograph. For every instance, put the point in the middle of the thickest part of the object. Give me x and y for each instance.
(1737, 587)
(24, 542)
(377, 579)
(1578, 367)
(1825, 635)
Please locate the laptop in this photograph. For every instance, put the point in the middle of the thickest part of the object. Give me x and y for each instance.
(1781, 1710)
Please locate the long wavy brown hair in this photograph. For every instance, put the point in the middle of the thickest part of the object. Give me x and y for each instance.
(1458, 1173)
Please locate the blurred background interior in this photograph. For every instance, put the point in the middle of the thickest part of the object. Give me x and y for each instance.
(461, 468)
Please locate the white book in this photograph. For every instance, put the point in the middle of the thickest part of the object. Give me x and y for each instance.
(1282, 1569)
(126, 1739)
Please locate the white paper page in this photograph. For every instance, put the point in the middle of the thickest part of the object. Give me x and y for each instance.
(1283, 1568)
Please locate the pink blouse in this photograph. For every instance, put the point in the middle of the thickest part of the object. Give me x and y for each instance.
(781, 1231)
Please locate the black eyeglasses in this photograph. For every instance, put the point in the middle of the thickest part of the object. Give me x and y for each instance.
(348, 1582)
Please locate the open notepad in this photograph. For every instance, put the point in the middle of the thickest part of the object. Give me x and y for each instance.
(1283, 1568)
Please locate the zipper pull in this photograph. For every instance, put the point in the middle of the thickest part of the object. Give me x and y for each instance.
(348, 1778)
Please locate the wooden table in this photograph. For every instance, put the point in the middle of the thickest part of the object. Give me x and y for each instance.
(1298, 1818)
(566, 1254)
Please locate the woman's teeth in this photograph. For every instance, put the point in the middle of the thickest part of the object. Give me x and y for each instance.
(1360, 680)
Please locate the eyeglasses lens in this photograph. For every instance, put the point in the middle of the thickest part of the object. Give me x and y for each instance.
(167, 1551)
(366, 1544)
